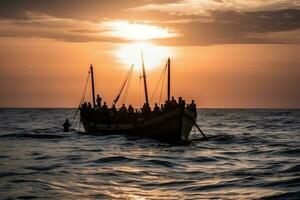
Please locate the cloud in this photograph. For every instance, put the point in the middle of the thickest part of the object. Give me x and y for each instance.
(236, 27)
(189, 22)
(75, 9)
(74, 30)
(204, 7)
(44, 26)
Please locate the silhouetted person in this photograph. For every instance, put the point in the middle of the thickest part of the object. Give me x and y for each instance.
(66, 125)
(89, 106)
(130, 113)
(98, 100)
(181, 102)
(167, 105)
(193, 107)
(113, 108)
(146, 108)
(84, 106)
(104, 107)
(130, 109)
(105, 112)
(162, 108)
(112, 113)
(156, 108)
(173, 103)
(123, 109)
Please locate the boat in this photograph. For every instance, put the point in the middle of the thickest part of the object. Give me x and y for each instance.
(173, 125)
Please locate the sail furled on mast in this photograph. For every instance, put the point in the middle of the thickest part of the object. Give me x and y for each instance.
(93, 85)
(169, 79)
(145, 81)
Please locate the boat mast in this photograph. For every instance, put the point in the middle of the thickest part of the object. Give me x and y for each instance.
(145, 82)
(169, 78)
(93, 86)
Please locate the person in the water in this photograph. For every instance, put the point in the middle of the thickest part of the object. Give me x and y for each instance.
(66, 125)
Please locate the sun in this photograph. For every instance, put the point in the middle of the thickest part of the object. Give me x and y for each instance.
(138, 37)
(154, 55)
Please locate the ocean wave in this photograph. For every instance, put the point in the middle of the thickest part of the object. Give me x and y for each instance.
(46, 157)
(208, 187)
(202, 159)
(163, 163)
(293, 168)
(223, 138)
(113, 159)
(291, 182)
(168, 184)
(283, 195)
(44, 168)
(32, 136)
(3, 157)
(4, 174)
(27, 197)
(291, 151)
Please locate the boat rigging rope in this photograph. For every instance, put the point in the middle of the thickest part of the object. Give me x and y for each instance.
(123, 85)
(84, 89)
(140, 96)
(162, 85)
(82, 98)
(127, 86)
(160, 80)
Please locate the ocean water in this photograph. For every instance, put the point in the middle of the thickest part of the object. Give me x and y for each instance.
(250, 154)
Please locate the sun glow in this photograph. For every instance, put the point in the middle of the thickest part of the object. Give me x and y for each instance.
(154, 55)
(140, 34)
(136, 31)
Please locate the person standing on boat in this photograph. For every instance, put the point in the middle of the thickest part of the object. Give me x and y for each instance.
(162, 108)
(130, 113)
(111, 114)
(114, 109)
(167, 105)
(104, 107)
(181, 102)
(156, 109)
(98, 100)
(122, 113)
(84, 106)
(123, 109)
(146, 109)
(173, 103)
(105, 112)
(66, 125)
(193, 107)
(130, 109)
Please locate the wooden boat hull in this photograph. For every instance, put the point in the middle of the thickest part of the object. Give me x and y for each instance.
(173, 126)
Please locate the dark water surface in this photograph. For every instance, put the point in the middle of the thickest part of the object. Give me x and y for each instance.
(251, 154)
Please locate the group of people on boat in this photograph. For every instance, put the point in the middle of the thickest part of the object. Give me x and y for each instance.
(102, 113)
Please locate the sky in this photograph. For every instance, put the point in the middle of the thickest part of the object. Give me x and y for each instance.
(224, 53)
